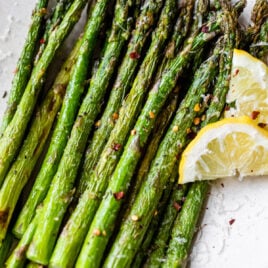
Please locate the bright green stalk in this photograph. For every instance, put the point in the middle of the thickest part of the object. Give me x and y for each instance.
(106, 215)
(84, 212)
(144, 252)
(18, 256)
(32, 147)
(66, 251)
(124, 80)
(58, 14)
(25, 63)
(166, 158)
(13, 135)
(60, 192)
(159, 246)
(66, 118)
(161, 125)
(185, 224)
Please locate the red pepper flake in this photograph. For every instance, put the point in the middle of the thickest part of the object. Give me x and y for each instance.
(119, 195)
(97, 232)
(42, 41)
(115, 116)
(134, 55)
(231, 222)
(236, 72)
(227, 108)
(116, 147)
(262, 125)
(205, 29)
(177, 206)
(254, 114)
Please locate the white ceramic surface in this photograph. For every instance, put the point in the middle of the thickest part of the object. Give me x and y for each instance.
(219, 244)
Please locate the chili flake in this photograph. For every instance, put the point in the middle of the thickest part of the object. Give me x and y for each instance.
(231, 222)
(254, 114)
(134, 55)
(119, 195)
(116, 147)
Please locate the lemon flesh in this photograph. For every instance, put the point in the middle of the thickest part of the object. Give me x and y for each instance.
(248, 93)
(230, 147)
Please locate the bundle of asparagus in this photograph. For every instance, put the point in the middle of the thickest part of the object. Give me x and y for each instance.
(105, 169)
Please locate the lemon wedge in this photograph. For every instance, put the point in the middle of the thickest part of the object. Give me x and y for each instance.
(230, 147)
(248, 93)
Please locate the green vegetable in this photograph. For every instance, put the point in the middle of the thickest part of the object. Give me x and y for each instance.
(184, 227)
(74, 232)
(66, 249)
(25, 63)
(146, 202)
(13, 135)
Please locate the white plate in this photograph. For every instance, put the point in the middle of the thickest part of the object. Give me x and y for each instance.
(218, 244)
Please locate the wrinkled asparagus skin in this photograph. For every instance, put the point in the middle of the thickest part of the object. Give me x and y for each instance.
(154, 224)
(24, 65)
(105, 217)
(18, 256)
(84, 212)
(159, 246)
(160, 127)
(58, 14)
(66, 249)
(60, 192)
(12, 137)
(162, 165)
(34, 142)
(185, 224)
(123, 83)
(66, 118)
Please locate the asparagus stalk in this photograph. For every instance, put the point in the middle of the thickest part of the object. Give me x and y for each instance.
(74, 232)
(163, 164)
(57, 16)
(65, 122)
(263, 39)
(25, 63)
(159, 246)
(34, 142)
(123, 83)
(105, 217)
(12, 137)
(184, 227)
(17, 258)
(158, 215)
(161, 125)
(60, 192)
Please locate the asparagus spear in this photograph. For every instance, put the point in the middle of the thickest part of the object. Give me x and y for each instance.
(263, 39)
(34, 142)
(123, 82)
(161, 125)
(158, 216)
(25, 63)
(65, 122)
(12, 137)
(184, 227)
(18, 256)
(58, 14)
(159, 246)
(60, 192)
(74, 232)
(146, 202)
(105, 217)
